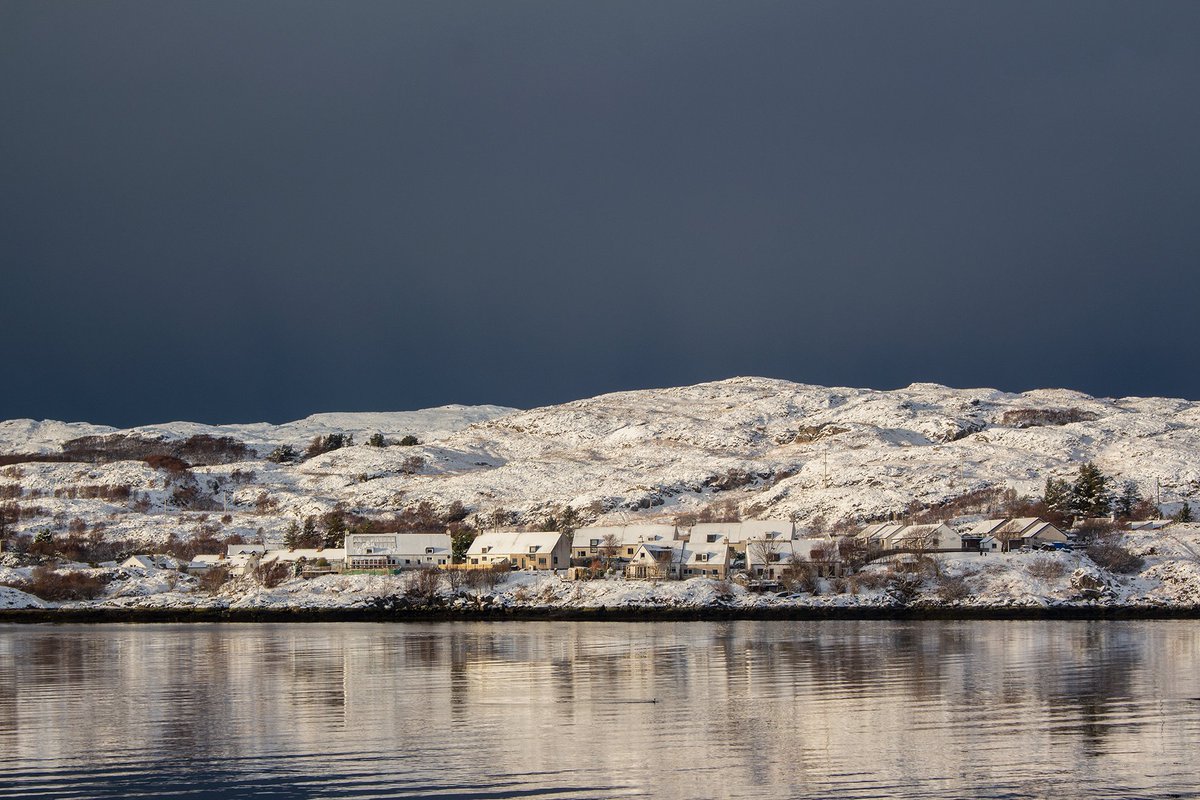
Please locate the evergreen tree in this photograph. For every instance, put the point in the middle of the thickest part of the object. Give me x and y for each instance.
(409, 441)
(1184, 514)
(460, 542)
(1128, 500)
(376, 440)
(335, 529)
(291, 538)
(1090, 495)
(308, 534)
(1057, 495)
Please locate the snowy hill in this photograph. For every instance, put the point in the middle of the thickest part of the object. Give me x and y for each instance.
(773, 447)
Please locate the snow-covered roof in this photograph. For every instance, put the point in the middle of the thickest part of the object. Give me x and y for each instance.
(155, 561)
(239, 549)
(625, 534)
(880, 531)
(357, 544)
(503, 542)
(744, 531)
(985, 527)
(1149, 525)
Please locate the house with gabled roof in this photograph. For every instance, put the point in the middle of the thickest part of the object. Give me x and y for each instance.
(537, 550)
(875, 535)
(993, 535)
(768, 560)
(680, 560)
(397, 551)
(616, 542)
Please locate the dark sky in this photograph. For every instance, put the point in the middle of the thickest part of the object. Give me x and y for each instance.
(232, 211)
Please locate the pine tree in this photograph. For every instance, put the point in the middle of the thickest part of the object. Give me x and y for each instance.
(376, 440)
(1128, 500)
(1057, 495)
(1184, 514)
(308, 534)
(291, 539)
(1090, 495)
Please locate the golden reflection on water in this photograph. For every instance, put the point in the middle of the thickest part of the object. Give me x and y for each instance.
(586, 709)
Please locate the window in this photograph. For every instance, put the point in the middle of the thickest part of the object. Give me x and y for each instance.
(628, 551)
(428, 550)
(474, 560)
(593, 543)
(542, 561)
(533, 548)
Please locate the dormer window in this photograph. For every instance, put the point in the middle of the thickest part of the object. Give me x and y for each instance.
(593, 542)
(429, 551)
(533, 548)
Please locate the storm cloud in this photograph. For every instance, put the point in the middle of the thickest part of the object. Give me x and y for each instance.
(229, 211)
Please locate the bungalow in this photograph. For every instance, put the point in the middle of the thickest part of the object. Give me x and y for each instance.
(156, 561)
(1011, 533)
(615, 542)
(875, 535)
(769, 559)
(521, 549)
(393, 551)
(924, 537)
(239, 564)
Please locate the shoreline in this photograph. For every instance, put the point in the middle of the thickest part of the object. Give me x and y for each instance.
(597, 614)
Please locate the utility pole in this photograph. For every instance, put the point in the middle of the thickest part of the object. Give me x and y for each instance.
(825, 467)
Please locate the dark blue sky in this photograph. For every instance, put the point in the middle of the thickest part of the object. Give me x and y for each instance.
(243, 211)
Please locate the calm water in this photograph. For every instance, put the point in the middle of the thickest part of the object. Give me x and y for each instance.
(540, 709)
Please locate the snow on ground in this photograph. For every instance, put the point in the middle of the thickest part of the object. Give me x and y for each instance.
(773, 448)
(1169, 577)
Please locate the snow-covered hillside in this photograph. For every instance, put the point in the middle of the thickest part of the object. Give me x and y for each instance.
(773, 447)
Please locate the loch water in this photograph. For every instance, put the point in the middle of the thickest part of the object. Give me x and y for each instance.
(832, 709)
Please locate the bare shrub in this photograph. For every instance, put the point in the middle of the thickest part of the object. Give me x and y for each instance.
(214, 579)
(1088, 530)
(1045, 568)
(49, 584)
(272, 573)
(423, 584)
(800, 576)
(951, 588)
(484, 578)
(1109, 555)
(170, 464)
(11, 491)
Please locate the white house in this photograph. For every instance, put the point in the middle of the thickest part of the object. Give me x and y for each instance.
(875, 535)
(521, 549)
(245, 549)
(240, 564)
(391, 551)
(680, 560)
(156, 561)
(939, 536)
(738, 533)
(616, 541)
(768, 559)
(1005, 534)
